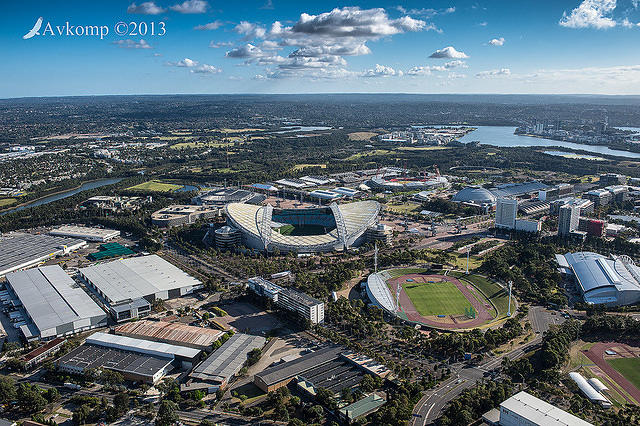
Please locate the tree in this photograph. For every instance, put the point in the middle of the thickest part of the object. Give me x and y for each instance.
(121, 403)
(81, 415)
(109, 377)
(8, 390)
(254, 356)
(30, 398)
(52, 394)
(167, 415)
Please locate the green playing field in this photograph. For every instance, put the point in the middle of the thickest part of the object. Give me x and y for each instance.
(441, 298)
(629, 368)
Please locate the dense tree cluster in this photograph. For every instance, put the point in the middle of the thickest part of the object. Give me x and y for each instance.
(474, 402)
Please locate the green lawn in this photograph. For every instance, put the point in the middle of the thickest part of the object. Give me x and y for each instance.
(393, 273)
(629, 368)
(155, 186)
(493, 291)
(442, 298)
(6, 202)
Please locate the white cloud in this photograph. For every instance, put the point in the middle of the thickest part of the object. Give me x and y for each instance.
(210, 26)
(381, 71)
(497, 41)
(356, 22)
(146, 8)
(342, 50)
(190, 7)
(590, 14)
(483, 24)
(195, 66)
(494, 73)
(428, 12)
(268, 5)
(455, 64)
(448, 52)
(249, 30)
(219, 44)
(132, 44)
(246, 51)
(429, 69)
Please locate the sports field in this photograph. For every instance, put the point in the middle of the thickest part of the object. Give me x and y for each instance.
(155, 186)
(628, 367)
(437, 298)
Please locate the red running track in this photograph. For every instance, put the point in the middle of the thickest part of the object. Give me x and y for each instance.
(482, 313)
(596, 354)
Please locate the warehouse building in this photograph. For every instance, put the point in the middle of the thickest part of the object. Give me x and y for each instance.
(171, 333)
(20, 251)
(227, 360)
(362, 408)
(128, 287)
(610, 281)
(176, 215)
(306, 306)
(85, 233)
(54, 303)
(523, 409)
(137, 360)
(327, 368)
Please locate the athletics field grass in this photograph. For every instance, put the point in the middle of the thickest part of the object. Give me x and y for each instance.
(629, 368)
(441, 298)
(155, 186)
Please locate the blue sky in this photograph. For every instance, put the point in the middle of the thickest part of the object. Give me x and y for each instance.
(277, 46)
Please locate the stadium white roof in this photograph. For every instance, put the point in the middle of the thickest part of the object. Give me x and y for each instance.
(539, 412)
(379, 293)
(51, 297)
(148, 347)
(136, 277)
(357, 218)
(614, 280)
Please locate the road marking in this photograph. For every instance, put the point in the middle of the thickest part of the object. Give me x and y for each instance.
(428, 411)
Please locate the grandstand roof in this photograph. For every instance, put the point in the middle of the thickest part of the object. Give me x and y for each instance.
(357, 217)
(379, 292)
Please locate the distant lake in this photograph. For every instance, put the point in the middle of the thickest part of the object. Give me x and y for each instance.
(504, 136)
(64, 194)
(290, 129)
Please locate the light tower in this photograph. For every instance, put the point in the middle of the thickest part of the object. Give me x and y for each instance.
(468, 250)
(398, 296)
(509, 310)
(375, 257)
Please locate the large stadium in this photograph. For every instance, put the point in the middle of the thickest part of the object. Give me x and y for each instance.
(308, 230)
(449, 302)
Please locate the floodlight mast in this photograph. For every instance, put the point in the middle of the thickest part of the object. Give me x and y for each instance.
(509, 310)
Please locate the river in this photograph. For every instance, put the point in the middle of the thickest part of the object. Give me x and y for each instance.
(64, 194)
(504, 136)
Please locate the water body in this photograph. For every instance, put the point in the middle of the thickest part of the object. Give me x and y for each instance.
(187, 188)
(504, 136)
(290, 129)
(55, 197)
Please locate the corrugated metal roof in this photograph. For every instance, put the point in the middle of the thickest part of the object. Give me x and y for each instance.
(142, 346)
(540, 412)
(19, 250)
(51, 297)
(171, 332)
(228, 359)
(136, 277)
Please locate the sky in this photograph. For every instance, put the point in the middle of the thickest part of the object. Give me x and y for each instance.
(277, 46)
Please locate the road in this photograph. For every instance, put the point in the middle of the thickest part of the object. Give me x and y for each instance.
(428, 409)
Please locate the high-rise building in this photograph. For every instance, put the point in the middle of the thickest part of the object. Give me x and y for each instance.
(506, 211)
(568, 219)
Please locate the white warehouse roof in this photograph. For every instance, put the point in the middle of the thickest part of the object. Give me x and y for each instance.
(539, 412)
(52, 299)
(85, 233)
(136, 277)
(148, 347)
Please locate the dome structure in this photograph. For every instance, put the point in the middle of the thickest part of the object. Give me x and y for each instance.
(474, 194)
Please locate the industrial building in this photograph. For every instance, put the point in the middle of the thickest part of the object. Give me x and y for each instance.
(227, 360)
(310, 230)
(176, 215)
(171, 333)
(295, 183)
(611, 281)
(128, 287)
(20, 251)
(85, 233)
(367, 405)
(524, 409)
(39, 354)
(135, 359)
(325, 195)
(54, 303)
(328, 368)
(221, 196)
(293, 300)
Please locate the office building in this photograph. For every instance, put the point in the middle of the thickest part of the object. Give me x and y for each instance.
(600, 197)
(607, 179)
(128, 287)
(568, 220)
(53, 303)
(293, 300)
(506, 211)
(176, 215)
